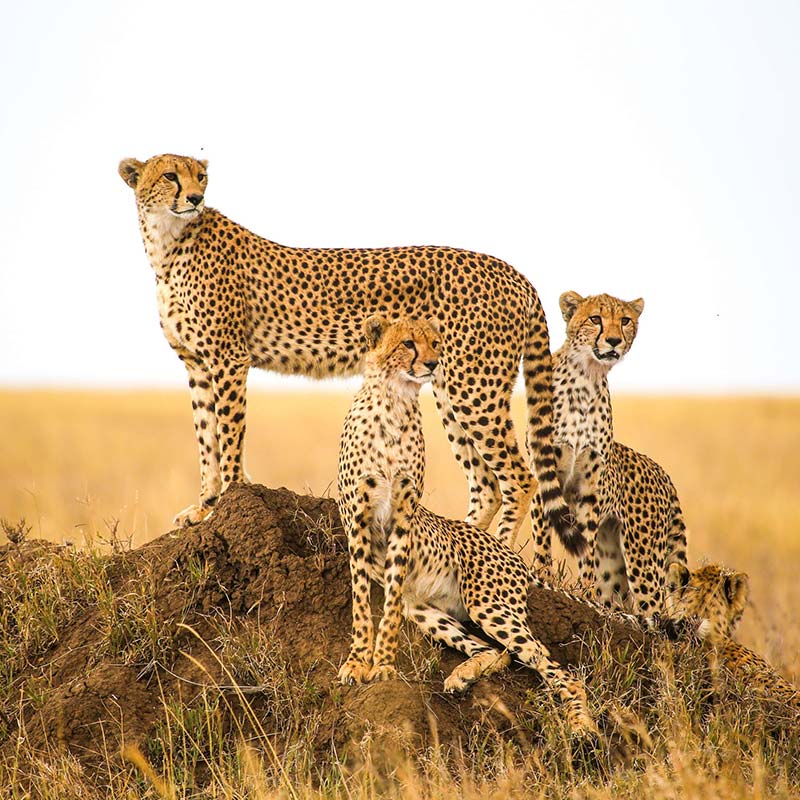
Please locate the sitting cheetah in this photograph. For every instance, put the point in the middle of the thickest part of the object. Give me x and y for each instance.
(718, 597)
(438, 572)
(623, 501)
(229, 300)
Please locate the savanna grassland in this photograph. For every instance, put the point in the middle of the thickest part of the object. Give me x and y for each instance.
(96, 468)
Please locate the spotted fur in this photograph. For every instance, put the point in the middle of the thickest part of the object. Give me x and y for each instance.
(229, 300)
(435, 571)
(623, 501)
(718, 598)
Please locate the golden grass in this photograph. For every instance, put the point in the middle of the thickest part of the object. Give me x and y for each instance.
(75, 461)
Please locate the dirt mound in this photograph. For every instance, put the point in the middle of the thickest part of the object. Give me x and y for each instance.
(258, 597)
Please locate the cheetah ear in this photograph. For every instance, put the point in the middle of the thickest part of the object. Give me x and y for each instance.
(569, 302)
(374, 328)
(129, 171)
(737, 589)
(434, 323)
(204, 162)
(637, 305)
(677, 576)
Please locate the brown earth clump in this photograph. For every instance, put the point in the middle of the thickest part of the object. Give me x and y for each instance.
(250, 610)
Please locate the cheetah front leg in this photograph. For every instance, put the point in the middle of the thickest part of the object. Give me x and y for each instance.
(205, 428)
(230, 403)
(405, 497)
(358, 522)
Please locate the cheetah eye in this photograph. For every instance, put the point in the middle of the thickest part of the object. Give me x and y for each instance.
(409, 343)
(171, 176)
(201, 177)
(626, 320)
(436, 344)
(596, 320)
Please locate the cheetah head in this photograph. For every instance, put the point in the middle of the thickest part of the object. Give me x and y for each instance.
(405, 352)
(715, 595)
(172, 185)
(601, 328)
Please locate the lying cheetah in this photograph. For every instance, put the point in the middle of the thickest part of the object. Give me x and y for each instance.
(438, 572)
(718, 597)
(229, 300)
(623, 501)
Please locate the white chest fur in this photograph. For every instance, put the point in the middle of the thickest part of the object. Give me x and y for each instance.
(582, 418)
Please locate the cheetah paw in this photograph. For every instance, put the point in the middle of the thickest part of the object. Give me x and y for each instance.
(191, 515)
(354, 671)
(457, 683)
(382, 672)
(469, 671)
(581, 721)
(583, 725)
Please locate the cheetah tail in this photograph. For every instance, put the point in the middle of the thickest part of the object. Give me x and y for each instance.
(563, 522)
(538, 372)
(677, 533)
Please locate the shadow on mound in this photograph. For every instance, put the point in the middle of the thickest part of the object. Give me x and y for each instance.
(247, 615)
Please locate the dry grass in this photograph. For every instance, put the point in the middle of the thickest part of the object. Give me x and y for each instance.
(215, 747)
(88, 466)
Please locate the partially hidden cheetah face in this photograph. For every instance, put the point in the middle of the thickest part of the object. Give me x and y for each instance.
(172, 184)
(715, 595)
(601, 328)
(405, 352)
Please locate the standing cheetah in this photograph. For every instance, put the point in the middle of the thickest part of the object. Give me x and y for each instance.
(229, 300)
(438, 572)
(622, 500)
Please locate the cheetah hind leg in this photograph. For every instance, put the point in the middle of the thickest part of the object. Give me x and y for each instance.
(484, 490)
(542, 564)
(513, 630)
(611, 571)
(476, 667)
(446, 629)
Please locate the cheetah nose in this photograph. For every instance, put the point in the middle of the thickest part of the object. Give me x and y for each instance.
(431, 365)
(613, 342)
(195, 199)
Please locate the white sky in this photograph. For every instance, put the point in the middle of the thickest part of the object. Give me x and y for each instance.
(641, 148)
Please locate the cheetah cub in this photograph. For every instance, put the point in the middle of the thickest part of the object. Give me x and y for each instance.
(624, 502)
(718, 598)
(436, 571)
